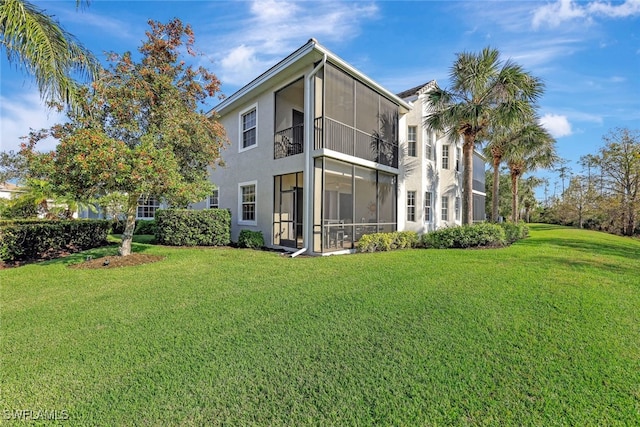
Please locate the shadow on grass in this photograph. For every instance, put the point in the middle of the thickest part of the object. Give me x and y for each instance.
(140, 244)
(628, 250)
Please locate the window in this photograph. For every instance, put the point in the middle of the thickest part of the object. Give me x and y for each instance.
(458, 159)
(445, 157)
(427, 206)
(428, 146)
(457, 208)
(444, 212)
(213, 200)
(147, 207)
(411, 205)
(248, 122)
(247, 206)
(411, 141)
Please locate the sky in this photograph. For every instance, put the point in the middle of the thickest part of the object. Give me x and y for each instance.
(587, 53)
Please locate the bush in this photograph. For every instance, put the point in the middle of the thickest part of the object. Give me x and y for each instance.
(29, 240)
(186, 227)
(466, 236)
(377, 242)
(515, 231)
(250, 239)
(145, 226)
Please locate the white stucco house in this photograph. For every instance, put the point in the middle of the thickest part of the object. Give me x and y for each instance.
(321, 154)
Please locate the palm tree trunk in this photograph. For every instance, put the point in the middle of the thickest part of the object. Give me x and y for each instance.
(496, 189)
(514, 200)
(130, 226)
(467, 179)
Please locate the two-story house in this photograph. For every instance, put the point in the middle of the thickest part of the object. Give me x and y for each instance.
(321, 154)
(432, 180)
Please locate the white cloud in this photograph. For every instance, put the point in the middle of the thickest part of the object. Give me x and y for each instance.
(274, 28)
(554, 14)
(19, 115)
(557, 125)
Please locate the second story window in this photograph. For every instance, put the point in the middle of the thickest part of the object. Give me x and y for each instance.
(412, 141)
(428, 146)
(458, 159)
(248, 125)
(445, 157)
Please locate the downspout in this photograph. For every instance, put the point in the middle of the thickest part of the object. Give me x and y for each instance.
(309, 132)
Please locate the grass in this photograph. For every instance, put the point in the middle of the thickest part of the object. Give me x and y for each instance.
(545, 332)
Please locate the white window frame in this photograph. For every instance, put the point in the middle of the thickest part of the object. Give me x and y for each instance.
(214, 199)
(445, 156)
(412, 141)
(241, 129)
(444, 208)
(428, 206)
(429, 145)
(458, 159)
(242, 221)
(411, 206)
(457, 208)
(148, 204)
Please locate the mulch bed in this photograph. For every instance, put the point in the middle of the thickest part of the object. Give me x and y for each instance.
(117, 261)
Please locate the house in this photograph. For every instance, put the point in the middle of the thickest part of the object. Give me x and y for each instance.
(316, 159)
(432, 180)
(9, 190)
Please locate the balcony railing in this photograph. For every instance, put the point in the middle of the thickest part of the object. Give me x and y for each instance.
(288, 142)
(345, 139)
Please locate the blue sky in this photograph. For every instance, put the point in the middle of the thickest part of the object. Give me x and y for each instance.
(586, 52)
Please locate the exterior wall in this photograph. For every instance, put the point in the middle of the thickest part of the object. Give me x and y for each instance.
(256, 164)
(424, 174)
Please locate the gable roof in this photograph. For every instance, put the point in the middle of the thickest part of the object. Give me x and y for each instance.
(310, 52)
(417, 90)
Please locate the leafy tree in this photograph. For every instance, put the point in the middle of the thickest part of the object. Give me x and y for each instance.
(35, 41)
(619, 163)
(485, 92)
(140, 132)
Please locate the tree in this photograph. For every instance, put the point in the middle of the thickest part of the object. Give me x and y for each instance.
(535, 151)
(619, 163)
(140, 131)
(35, 41)
(485, 92)
(500, 142)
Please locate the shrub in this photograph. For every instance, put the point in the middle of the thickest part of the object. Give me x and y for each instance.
(377, 242)
(466, 236)
(186, 227)
(515, 231)
(250, 239)
(35, 239)
(145, 226)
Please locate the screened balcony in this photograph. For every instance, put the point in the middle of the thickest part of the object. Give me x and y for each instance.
(288, 138)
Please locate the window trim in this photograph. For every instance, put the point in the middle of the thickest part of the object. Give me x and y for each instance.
(458, 210)
(446, 148)
(215, 192)
(241, 129)
(241, 221)
(146, 204)
(444, 208)
(411, 207)
(428, 206)
(412, 142)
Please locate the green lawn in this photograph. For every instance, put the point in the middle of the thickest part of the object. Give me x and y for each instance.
(545, 332)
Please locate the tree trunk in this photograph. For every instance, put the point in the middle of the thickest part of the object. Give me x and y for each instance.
(129, 227)
(467, 179)
(515, 217)
(496, 189)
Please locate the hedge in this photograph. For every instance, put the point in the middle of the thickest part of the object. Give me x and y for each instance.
(187, 227)
(250, 239)
(466, 236)
(376, 242)
(25, 240)
(145, 226)
(515, 231)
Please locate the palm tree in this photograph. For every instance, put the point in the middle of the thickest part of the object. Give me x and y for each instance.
(36, 42)
(485, 92)
(500, 142)
(535, 151)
